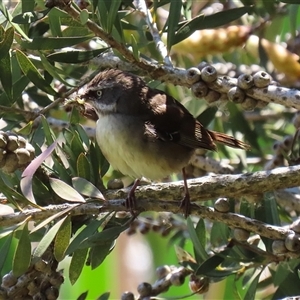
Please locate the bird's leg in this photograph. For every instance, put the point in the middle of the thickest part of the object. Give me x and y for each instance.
(130, 202)
(185, 203)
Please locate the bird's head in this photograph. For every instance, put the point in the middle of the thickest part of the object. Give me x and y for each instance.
(114, 91)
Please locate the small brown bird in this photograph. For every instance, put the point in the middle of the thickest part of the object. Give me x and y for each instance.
(144, 132)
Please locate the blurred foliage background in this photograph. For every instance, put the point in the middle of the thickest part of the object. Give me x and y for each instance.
(48, 156)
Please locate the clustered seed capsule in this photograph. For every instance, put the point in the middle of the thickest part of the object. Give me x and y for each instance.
(41, 281)
(222, 205)
(15, 152)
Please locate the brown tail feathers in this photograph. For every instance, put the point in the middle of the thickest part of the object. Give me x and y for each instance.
(227, 140)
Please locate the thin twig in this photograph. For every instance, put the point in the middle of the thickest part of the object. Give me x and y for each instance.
(160, 46)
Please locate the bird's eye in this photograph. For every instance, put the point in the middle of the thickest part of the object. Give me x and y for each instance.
(99, 93)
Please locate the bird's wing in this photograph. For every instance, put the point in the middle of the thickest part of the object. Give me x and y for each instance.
(171, 121)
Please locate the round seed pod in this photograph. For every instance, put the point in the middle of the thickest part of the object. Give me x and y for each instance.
(249, 104)
(2, 154)
(11, 163)
(12, 143)
(3, 139)
(193, 75)
(22, 141)
(245, 81)
(236, 95)
(292, 242)
(31, 150)
(56, 279)
(202, 65)
(222, 205)
(198, 285)
(33, 287)
(51, 293)
(163, 271)
(241, 234)
(8, 280)
(261, 104)
(296, 226)
(199, 89)
(115, 184)
(144, 289)
(209, 74)
(127, 296)
(23, 156)
(278, 247)
(261, 79)
(177, 279)
(42, 266)
(212, 96)
(287, 142)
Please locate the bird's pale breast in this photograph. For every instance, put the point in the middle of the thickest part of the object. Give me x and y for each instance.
(124, 145)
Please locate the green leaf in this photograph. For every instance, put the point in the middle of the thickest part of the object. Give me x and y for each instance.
(83, 166)
(211, 21)
(84, 16)
(29, 17)
(103, 238)
(47, 239)
(207, 115)
(210, 264)
(7, 38)
(4, 251)
(6, 75)
(52, 70)
(197, 244)
(22, 256)
(33, 74)
(86, 188)
(252, 288)
(135, 49)
(238, 123)
(98, 254)
(112, 14)
(88, 231)
(65, 191)
(173, 20)
(77, 264)
(52, 43)
(49, 135)
(272, 215)
(104, 296)
(83, 296)
(75, 56)
(62, 239)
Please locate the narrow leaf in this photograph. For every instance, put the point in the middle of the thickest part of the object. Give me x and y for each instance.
(65, 191)
(47, 239)
(86, 188)
(6, 42)
(27, 175)
(112, 14)
(211, 21)
(199, 249)
(4, 250)
(52, 43)
(62, 239)
(22, 256)
(75, 56)
(33, 74)
(173, 20)
(77, 264)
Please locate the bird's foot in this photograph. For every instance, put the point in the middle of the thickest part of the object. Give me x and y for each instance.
(185, 205)
(130, 202)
